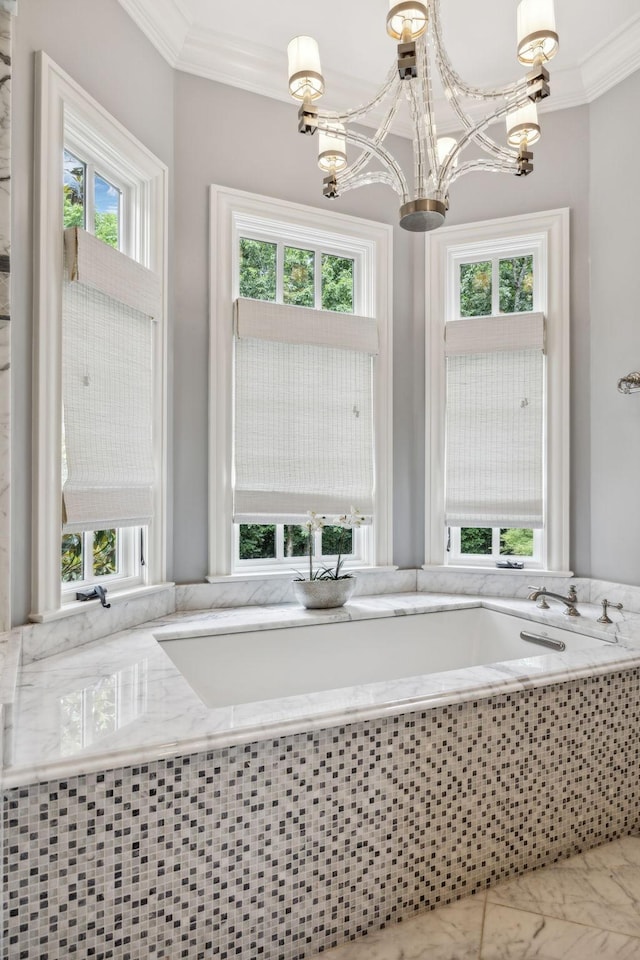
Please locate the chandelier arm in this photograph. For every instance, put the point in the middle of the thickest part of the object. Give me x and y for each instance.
(474, 133)
(380, 134)
(453, 81)
(429, 120)
(385, 158)
(423, 111)
(489, 166)
(375, 176)
(418, 145)
(392, 81)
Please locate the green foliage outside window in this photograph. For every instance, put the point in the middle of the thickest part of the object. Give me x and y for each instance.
(515, 294)
(105, 553)
(104, 560)
(106, 229)
(257, 541)
(516, 284)
(337, 283)
(475, 289)
(73, 191)
(71, 557)
(299, 277)
(476, 540)
(296, 540)
(257, 269)
(516, 542)
(336, 540)
(73, 214)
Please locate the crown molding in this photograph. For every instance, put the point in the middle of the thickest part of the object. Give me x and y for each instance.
(612, 61)
(165, 23)
(260, 69)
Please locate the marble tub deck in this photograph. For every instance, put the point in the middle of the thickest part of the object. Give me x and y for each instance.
(578, 909)
(164, 717)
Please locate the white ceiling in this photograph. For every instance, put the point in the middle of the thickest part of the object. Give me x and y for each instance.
(598, 48)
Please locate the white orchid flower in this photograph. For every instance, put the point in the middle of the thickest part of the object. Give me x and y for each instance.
(352, 519)
(316, 521)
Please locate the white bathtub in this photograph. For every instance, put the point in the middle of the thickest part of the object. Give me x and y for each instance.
(249, 667)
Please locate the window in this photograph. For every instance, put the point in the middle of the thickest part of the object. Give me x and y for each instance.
(101, 209)
(93, 203)
(90, 200)
(497, 461)
(293, 294)
(300, 277)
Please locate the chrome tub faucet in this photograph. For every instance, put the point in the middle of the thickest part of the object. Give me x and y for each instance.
(541, 594)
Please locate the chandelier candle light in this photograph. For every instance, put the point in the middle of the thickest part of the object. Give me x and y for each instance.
(417, 28)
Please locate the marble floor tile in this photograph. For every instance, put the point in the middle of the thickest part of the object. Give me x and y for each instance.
(600, 889)
(619, 853)
(451, 932)
(519, 935)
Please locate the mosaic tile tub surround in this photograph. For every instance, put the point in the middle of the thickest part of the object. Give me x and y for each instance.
(280, 848)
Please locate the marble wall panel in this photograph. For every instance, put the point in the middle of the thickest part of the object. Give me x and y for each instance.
(231, 592)
(6, 9)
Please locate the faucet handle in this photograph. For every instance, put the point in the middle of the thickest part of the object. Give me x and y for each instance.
(538, 594)
(605, 618)
(571, 593)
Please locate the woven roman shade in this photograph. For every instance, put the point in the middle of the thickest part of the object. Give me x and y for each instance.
(303, 414)
(107, 386)
(495, 421)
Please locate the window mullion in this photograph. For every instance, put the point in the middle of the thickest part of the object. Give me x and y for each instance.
(495, 541)
(90, 198)
(87, 554)
(317, 278)
(280, 272)
(279, 541)
(495, 286)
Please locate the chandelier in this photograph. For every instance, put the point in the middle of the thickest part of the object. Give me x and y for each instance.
(438, 161)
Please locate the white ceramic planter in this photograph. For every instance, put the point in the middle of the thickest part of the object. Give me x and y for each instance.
(316, 594)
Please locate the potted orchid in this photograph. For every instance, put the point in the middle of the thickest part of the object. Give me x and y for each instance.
(327, 586)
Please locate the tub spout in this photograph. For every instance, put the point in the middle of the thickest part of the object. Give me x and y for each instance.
(541, 594)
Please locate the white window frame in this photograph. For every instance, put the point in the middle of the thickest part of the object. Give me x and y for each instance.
(129, 547)
(67, 116)
(235, 214)
(456, 558)
(545, 234)
(358, 557)
(99, 159)
(80, 146)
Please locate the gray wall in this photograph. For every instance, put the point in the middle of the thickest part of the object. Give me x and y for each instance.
(615, 335)
(209, 133)
(98, 44)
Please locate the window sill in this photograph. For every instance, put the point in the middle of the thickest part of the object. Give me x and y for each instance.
(75, 607)
(486, 568)
(289, 574)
